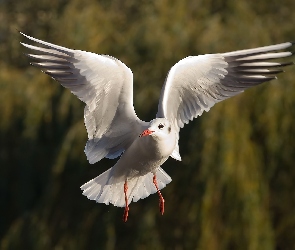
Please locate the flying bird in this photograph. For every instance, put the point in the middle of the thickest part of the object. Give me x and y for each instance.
(105, 85)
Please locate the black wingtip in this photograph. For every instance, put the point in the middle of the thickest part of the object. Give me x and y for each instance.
(286, 64)
(21, 34)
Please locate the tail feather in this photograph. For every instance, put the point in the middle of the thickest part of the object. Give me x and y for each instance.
(107, 189)
(91, 190)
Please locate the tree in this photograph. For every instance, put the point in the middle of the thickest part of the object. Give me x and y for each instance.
(234, 188)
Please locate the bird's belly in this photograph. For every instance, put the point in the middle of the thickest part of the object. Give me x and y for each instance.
(138, 160)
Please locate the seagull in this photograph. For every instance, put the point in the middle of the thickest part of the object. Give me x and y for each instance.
(105, 84)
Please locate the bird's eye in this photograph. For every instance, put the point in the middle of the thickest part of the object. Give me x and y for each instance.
(161, 126)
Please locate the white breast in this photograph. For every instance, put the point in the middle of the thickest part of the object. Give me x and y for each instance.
(144, 156)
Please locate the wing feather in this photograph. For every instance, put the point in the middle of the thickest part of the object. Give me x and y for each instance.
(196, 83)
(105, 84)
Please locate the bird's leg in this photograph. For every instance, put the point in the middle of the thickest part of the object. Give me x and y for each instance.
(125, 215)
(161, 199)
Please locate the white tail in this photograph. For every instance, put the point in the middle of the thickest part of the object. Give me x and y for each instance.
(107, 189)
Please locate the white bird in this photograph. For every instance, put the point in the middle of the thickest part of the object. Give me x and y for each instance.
(104, 83)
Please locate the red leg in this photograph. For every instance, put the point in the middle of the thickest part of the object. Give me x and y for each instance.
(125, 215)
(161, 199)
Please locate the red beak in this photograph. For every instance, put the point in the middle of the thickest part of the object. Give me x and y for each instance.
(146, 132)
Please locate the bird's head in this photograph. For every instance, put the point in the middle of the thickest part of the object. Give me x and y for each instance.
(159, 127)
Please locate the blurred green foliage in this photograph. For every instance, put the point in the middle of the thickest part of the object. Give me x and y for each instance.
(234, 188)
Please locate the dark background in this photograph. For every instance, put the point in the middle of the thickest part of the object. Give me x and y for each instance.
(234, 189)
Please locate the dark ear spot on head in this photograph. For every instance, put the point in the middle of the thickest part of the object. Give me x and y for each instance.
(169, 129)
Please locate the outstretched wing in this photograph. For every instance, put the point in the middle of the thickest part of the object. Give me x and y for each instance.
(196, 83)
(105, 84)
